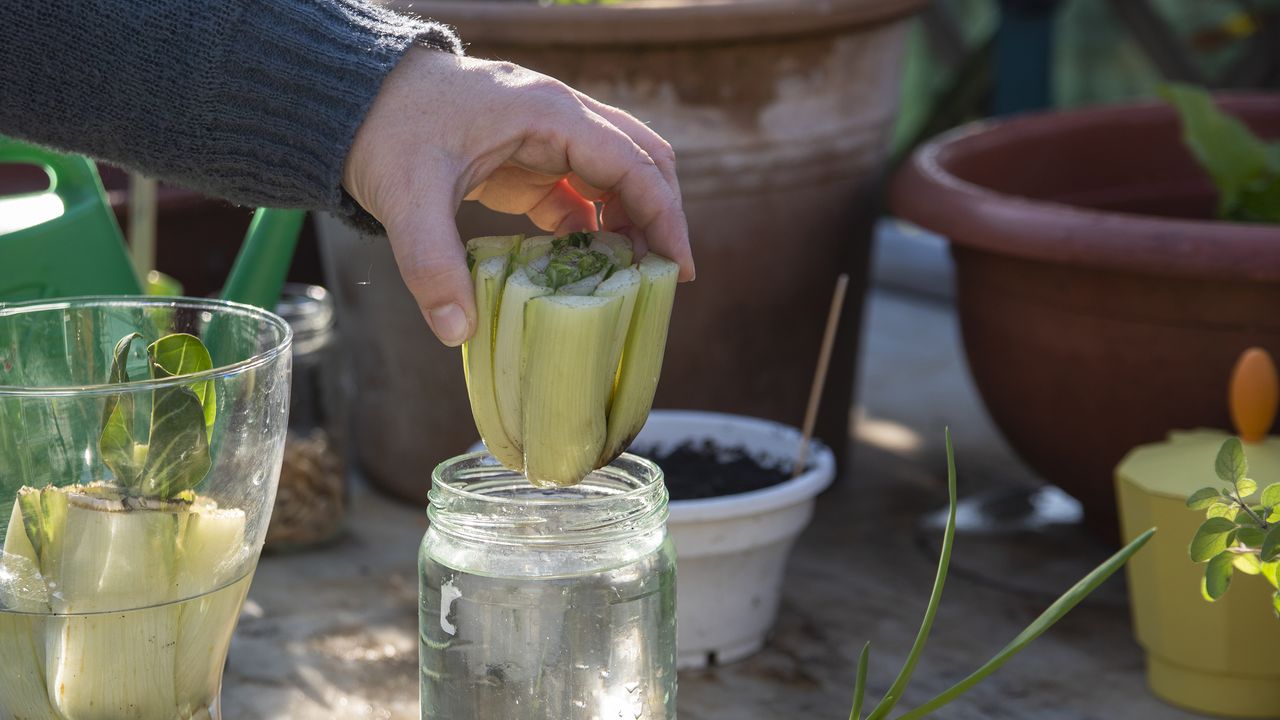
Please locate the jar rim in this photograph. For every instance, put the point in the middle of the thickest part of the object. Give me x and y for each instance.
(514, 512)
(652, 476)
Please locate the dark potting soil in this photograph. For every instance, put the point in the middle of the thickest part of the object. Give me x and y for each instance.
(704, 469)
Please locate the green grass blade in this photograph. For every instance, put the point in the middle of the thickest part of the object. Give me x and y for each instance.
(1053, 614)
(944, 561)
(860, 685)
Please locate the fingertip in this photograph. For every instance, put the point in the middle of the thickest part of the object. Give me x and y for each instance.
(434, 269)
(450, 322)
(688, 273)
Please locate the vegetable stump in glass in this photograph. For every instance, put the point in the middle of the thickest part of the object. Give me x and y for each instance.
(140, 445)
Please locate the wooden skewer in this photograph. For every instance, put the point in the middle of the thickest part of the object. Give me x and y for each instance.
(820, 374)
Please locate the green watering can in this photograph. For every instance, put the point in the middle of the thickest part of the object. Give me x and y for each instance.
(78, 249)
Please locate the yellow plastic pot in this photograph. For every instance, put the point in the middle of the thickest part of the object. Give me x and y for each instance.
(1220, 658)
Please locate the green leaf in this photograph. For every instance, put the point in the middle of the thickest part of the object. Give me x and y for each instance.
(1223, 509)
(178, 454)
(182, 417)
(1250, 536)
(1231, 464)
(183, 354)
(1271, 571)
(1051, 615)
(1203, 498)
(1270, 495)
(1274, 517)
(1259, 201)
(860, 684)
(1217, 576)
(1246, 563)
(1213, 536)
(1271, 544)
(894, 693)
(1246, 487)
(1233, 156)
(118, 444)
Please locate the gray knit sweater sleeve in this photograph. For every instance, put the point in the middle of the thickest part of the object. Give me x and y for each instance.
(256, 101)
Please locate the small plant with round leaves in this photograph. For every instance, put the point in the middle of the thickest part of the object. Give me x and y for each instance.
(1242, 529)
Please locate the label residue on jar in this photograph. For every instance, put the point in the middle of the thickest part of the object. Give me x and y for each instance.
(448, 593)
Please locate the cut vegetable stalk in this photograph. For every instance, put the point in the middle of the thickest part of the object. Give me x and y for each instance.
(626, 284)
(616, 246)
(508, 364)
(24, 594)
(566, 396)
(213, 555)
(489, 276)
(642, 357)
(103, 663)
(562, 371)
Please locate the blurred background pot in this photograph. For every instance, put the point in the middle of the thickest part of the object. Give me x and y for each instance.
(1099, 304)
(779, 111)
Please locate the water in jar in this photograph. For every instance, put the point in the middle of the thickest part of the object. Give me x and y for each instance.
(163, 661)
(571, 640)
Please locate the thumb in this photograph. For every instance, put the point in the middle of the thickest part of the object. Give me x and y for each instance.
(433, 263)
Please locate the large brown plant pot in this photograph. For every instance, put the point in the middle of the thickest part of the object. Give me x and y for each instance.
(1100, 305)
(779, 111)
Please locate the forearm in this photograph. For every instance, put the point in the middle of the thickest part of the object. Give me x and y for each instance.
(256, 101)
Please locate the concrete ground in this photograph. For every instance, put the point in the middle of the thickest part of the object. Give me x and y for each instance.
(332, 634)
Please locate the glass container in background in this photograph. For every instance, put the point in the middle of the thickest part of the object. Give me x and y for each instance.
(547, 603)
(118, 599)
(312, 503)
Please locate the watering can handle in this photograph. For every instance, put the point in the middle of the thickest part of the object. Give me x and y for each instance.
(258, 275)
(71, 177)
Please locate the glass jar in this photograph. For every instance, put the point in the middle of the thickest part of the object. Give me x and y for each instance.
(547, 603)
(311, 504)
(118, 592)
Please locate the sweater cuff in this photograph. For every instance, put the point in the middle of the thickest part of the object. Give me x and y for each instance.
(306, 74)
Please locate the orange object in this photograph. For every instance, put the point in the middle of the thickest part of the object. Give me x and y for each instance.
(1254, 394)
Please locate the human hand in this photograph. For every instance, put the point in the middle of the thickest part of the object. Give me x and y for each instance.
(446, 128)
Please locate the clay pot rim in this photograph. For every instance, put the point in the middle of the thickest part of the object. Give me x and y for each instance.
(661, 22)
(928, 194)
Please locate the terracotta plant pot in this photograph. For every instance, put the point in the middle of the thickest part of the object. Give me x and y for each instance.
(1100, 306)
(779, 111)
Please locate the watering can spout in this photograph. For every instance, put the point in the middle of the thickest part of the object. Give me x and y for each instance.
(258, 275)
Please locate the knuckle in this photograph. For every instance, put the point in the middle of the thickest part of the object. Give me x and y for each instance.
(663, 154)
(551, 91)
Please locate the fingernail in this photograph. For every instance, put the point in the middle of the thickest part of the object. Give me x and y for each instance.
(449, 324)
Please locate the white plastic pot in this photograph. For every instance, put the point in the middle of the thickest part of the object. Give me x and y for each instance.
(731, 551)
